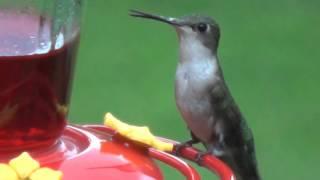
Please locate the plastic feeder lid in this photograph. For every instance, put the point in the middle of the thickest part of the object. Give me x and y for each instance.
(81, 154)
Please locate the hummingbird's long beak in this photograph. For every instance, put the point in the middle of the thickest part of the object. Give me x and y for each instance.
(168, 20)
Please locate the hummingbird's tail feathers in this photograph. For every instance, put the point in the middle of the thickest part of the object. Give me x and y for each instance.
(242, 161)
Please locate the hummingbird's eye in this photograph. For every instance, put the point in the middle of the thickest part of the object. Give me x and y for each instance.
(202, 27)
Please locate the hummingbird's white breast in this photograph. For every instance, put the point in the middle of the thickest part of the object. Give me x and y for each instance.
(196, 73)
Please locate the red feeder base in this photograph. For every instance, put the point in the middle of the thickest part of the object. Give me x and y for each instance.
(96, 152)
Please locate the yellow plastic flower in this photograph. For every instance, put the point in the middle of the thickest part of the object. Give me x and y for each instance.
(7, 172)
(48, 173)
(24, 167)
(140, 134)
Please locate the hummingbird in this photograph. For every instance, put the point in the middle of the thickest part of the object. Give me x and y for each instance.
(203, 97)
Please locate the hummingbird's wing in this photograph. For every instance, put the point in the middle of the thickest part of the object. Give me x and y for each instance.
(237, 143)
(228, 114)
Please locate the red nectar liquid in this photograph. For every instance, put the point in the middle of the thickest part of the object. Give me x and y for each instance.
(35, 81)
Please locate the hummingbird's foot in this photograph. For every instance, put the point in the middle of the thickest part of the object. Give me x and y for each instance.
(199, 157)
(178, 147)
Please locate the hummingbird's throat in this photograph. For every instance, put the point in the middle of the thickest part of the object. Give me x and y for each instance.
(192, 49)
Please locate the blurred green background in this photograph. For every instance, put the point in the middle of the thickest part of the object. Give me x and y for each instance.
(270, 56)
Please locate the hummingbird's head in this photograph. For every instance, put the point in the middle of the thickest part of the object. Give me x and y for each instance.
(192, 30)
